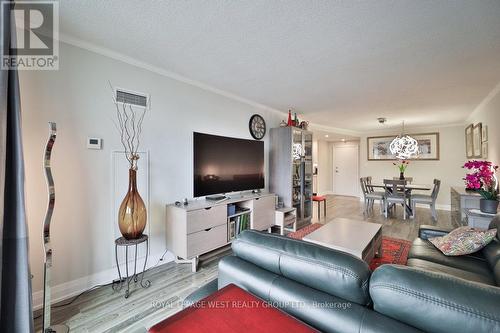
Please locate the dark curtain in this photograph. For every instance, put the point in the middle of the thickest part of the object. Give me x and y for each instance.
(15, 293)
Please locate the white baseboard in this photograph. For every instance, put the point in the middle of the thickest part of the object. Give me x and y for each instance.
(73, 288)
(325, 193)
(440, 207)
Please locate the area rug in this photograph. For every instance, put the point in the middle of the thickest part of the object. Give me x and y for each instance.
(394, 250)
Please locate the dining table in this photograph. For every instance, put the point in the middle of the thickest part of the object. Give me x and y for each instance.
(408, 188)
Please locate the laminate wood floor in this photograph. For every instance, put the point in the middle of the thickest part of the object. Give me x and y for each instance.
(105, 310)
(393, 226)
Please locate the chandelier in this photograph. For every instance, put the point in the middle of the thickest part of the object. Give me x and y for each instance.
(404, 146)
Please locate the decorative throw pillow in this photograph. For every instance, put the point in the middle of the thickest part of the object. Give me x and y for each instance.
(463, 240)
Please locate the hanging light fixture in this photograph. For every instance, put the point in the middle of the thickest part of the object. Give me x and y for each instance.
(404, 146)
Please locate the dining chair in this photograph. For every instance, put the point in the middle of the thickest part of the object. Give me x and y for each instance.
(369, 195)
(395, 193)
(409, 180)
(427, 200)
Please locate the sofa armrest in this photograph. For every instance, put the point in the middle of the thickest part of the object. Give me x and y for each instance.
(429, 231)
(435, 302)
(200, 293)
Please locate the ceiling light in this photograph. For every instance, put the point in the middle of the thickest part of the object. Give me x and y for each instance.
(404, 146)
(326, 135)
(343, 140)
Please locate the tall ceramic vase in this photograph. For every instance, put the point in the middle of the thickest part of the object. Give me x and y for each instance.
(132, 214)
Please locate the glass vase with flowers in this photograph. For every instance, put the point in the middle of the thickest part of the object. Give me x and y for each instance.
(402, 165)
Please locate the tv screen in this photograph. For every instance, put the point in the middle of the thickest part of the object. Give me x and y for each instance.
(223, 164)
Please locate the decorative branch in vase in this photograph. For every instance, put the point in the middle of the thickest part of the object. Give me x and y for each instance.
(483, 180)
(402, 165)
(132, 215)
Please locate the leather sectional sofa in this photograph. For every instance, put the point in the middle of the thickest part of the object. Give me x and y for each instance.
(482, 266)
(336, 292)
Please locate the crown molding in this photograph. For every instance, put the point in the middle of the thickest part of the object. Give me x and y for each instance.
(70, 40)
(413, 128)
(67, 39)
(332, 129)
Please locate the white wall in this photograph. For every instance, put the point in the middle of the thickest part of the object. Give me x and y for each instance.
(448, 168)
(78, 98)
(325, 168)
(488, 113)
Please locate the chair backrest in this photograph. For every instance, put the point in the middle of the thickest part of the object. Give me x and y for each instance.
(435, 190)
(369, 189)
(409, 180)
(364, 188)
(393, 185)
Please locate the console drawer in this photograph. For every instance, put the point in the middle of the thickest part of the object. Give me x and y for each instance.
(201, 219)
(206, 240)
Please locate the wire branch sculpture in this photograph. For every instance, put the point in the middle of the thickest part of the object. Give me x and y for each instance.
(129, 125)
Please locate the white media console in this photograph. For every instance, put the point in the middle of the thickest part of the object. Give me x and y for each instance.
(202, 225)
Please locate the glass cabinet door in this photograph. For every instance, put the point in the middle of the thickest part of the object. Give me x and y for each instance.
(296, 186)
(308, 189)
(308, 145)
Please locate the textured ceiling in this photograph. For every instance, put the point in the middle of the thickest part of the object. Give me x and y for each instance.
(340, 63)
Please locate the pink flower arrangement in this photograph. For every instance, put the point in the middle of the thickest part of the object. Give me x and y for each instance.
(482, 178)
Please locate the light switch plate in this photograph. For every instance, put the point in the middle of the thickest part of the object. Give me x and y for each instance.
(94, 143)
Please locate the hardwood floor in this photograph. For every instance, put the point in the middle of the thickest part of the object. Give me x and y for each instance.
(394, 226)
(105, 310)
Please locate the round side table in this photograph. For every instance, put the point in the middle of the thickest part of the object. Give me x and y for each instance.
(126, 243)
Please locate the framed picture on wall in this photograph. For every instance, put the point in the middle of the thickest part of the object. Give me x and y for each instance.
(484, 133)
(428, 147)
(469, 148)
(484, 150)
(476, 140)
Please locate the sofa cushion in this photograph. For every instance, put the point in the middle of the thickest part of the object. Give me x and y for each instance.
(486, 278)
(495, 224)
(328, 313)
(334, 272)
(321, 310)
(245, 275)
(464, 240)
(423, 249)
(492, 254)
(435, 302)
(496, 272)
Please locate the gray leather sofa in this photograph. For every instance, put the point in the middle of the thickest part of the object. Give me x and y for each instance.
(482, 266)
(336, 292)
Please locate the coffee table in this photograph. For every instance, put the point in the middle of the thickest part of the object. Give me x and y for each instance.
(362, 239)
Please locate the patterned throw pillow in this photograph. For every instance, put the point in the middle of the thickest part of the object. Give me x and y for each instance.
(463, 240)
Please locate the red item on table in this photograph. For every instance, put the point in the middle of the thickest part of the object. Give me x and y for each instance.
(290, 122)
(231, 310)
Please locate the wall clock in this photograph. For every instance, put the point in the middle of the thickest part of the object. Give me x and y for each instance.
(257, 126)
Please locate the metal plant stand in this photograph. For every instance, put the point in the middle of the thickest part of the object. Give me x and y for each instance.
(135, 277)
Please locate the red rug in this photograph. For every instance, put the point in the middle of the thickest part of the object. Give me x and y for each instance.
(394, 250)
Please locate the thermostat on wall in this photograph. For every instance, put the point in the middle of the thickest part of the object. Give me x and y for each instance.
(94, 143)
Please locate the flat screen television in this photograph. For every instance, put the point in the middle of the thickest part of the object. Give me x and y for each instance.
(223, 164)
